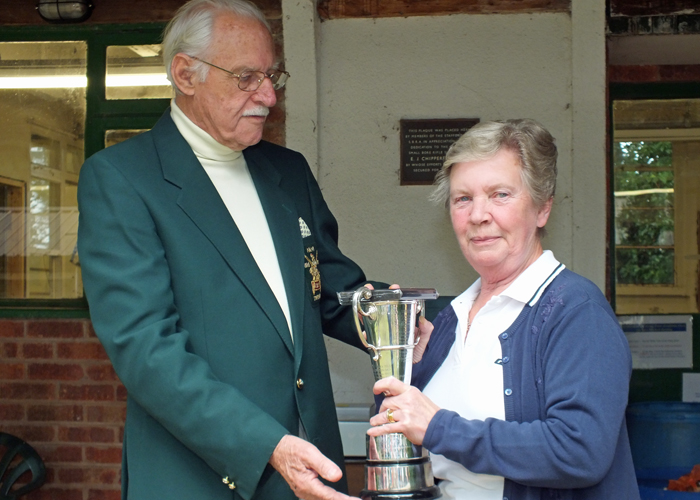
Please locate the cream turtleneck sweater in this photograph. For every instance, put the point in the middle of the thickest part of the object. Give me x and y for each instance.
(229, 173)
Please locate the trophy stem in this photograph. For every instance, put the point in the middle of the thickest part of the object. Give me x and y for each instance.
(386, 323)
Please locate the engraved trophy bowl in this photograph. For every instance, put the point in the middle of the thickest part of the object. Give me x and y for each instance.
(395, 468)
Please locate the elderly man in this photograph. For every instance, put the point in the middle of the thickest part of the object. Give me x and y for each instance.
(211, 267)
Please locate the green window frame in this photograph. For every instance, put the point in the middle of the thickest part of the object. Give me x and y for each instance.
(101, 115)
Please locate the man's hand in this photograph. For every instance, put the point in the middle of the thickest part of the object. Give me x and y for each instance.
(300, 464)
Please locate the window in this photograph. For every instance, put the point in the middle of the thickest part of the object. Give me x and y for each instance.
(136, 72)
(42, 102)
(644, 216)
(656, 188)
(65, 93)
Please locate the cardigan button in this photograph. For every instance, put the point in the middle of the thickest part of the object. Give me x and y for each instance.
(505, 359)
(504, 335)
(300, 383)
(509, 392)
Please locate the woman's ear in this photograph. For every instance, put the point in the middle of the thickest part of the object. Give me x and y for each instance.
(543, 214)
(183, 77)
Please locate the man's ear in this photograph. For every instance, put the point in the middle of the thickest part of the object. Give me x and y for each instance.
(183, 77)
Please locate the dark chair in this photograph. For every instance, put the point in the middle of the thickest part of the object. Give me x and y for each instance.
(17, 459)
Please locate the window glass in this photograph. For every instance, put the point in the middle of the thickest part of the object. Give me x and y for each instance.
(136, 72)
(113, 137)
(42, 123)
(644, 216)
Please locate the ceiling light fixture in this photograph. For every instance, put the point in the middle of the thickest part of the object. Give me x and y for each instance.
(64, 11)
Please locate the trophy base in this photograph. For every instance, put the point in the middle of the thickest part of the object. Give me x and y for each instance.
(422, 494)
(399, 480)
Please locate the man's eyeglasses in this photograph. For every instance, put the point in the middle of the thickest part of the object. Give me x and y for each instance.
(250, 81)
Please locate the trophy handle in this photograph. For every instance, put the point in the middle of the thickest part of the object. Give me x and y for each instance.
(363, 293)
(421, 311)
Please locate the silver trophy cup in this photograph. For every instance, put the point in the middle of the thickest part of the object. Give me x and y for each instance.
(395, 468)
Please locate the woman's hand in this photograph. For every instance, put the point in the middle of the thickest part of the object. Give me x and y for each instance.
(410, 410)
(425, 328)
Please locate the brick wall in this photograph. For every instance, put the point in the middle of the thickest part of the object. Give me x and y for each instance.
(654, 73)
(59, 393)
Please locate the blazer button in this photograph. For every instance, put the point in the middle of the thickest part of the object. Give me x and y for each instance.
(300, 384)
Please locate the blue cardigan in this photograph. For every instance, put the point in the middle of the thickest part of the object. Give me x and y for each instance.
(566, 370)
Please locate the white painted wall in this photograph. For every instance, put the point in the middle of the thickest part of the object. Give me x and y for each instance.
(370, 73)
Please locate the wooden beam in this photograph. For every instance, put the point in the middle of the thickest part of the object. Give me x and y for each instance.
(341, 9)
(653, 7)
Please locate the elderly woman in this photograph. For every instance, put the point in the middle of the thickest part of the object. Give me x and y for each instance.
(525, 375)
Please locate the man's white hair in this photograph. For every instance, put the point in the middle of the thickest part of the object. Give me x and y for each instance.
(191, 31)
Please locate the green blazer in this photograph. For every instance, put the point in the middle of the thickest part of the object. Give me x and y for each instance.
(193, 330)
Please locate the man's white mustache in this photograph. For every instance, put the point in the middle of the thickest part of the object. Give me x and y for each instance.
(259, 111)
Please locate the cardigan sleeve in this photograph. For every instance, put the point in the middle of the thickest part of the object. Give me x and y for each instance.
(579, 389)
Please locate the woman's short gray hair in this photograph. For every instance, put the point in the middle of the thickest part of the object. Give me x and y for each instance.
(533, 144)
(191, 30)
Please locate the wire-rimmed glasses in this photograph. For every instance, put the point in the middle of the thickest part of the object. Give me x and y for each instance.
(250, 81)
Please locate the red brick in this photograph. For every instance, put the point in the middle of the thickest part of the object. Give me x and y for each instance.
(121, 393)
(680, 73)
(63, 454)
(11, 371)
(55, 413)
(110, 414)
(87, 434)
(104, 495)
(9, 350)
(86, 392)
(50, 475)
(633, 73)
(32, 434)
(81, 350)
(107, 475)
(27, 391)
(55, 329)
(68, 476)
(101, 372)
(9, 411)
(90, 331)
(55, 371)
(48, 492)
(35, 350)
(11, 329)
(103, 435)
(111, 455)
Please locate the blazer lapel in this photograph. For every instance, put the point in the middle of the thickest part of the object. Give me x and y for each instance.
(283, 221)
(202, 203)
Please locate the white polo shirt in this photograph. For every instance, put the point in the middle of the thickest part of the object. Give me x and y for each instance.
(470, 381)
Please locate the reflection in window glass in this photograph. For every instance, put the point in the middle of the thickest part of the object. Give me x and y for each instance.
(42, 122)
(136, 72)
(113, 137)
(644, 215)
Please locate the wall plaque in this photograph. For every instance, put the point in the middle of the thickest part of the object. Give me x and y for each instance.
(424, 144)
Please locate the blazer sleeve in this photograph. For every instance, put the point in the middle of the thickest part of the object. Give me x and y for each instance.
(127, 283)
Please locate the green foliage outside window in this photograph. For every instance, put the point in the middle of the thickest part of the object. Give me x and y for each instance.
(644, 217)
